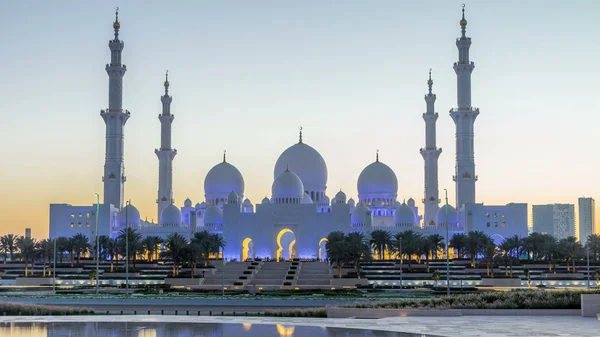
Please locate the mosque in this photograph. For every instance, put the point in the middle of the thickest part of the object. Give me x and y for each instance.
(295, 221)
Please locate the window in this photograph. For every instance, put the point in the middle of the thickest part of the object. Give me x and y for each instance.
(487, 224)
(504, 225)
(72, 215)
(79, 224)
(503, 215)
(495, 215)
(80, 215)
(72, 225)
(87, 215)
(495, 224)
(487, 215)
(87, 224)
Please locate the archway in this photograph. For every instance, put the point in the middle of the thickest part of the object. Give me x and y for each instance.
(322, 255)
(247, 249)
(285, 238)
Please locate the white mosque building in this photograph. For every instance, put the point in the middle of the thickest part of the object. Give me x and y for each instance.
(296, 219)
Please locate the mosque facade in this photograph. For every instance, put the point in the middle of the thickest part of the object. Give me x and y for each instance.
(296, 219)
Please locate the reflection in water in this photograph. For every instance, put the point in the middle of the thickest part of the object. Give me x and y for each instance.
(143, 329)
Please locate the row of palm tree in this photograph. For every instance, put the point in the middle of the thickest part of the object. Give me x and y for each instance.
(129, 244)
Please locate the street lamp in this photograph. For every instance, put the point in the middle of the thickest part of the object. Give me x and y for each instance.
(97, 245)
(447, 254)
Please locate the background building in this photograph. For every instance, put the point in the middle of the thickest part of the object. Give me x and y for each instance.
(587, 218)
(557, 220)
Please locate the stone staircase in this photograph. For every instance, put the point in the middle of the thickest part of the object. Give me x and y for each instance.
(316, 274)
(227, 275)
(271, 275)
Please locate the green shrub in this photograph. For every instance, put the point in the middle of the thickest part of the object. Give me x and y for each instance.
(9, 308)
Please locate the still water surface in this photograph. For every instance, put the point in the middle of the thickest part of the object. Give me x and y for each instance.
(108, 329)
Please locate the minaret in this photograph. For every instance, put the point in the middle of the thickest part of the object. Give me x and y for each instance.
(115, 118)
(464, 116)
(165, 154)
(430, 154)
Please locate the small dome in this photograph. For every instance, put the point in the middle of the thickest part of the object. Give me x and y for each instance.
(198, 206)
(411, 202)
(213, 215)
(404, 216)
(351, 202)
(397, 204)
(377, 178)
(170, 215)
(360, 215)
(232, 198)
(451, 217)
(340, 197)
(307, 163)
(265, 201)
(247, 203)
(221, 180)
(129, 215)
(287, 185)
(325, 201)
(307, 199)
(187, 203)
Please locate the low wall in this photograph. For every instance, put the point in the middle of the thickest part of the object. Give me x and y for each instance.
(33, 281)
(349, 282)
(590, 305)
(501, 282)
(182, 282)
(334, 312)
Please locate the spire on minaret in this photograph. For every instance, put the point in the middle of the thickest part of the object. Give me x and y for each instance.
(224, 158)
(463, 23)
(300, 136)
(167, 82)
(116, 24)
(430, 81)
(377, 156)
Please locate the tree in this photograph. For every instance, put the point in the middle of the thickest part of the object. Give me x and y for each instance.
(548, 249)
(62, 245)
(436, 244)
(593, 243)
(570, 249)
(457, 242)
(597, 275)
(489, 252)
(80, 245)
(511, 248)
(380, 242)
(336, 249)
(475, 242)
(131, 238)
(357, 250)
(150, 246)
(46, 250)
(175, 250)
(435, 276)
(28, 250)
(408, 243)
(533, 245)
(8, 243)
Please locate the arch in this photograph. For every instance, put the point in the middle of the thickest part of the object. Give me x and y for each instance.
(322, 253)
(247, 249)
(278, 241)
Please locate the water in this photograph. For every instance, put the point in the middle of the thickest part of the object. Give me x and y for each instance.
(143, 329)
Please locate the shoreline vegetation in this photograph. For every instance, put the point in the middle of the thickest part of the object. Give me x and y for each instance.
(14, 309)
(516, 299)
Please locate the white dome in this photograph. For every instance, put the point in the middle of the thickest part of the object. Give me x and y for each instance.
(170, 215)
(452, 217)
(232, 198)
(198, 206)
(360, 215)
(187, 203)
(404, 216)
(221, 180)
(129, 215)
(411, 202)
(307, 199)
(247, 203)
(307, 163)
(287, 185)
(325, 201)
(213, 215)
(377, 178)
(265, 201)
(351, 202)
(340, 197)
(397, 204)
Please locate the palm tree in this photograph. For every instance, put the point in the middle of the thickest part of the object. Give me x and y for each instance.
(511, 246)
(475, 242)
(150, 246)
(217, 244)
(8, 243)
(336, 249)
(110, 249)
(410, 242)
(436, 244)
(458, 244)
(436, 277)
(203, 242)
(593, 243)
(548, 249)
(70, 247)
(380, 242)
(175, 249)
(28, 249)
(46, 248)
(63, 244)
(130, 237)
(571, 249)
(489, 252)
(80, 245)
(357, 250)
(533, 245)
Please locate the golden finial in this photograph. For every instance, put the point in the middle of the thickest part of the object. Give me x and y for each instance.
(116, 24)
(377, 156)
(224, 153)
(463, 21)
(167, 79)
(300, 135)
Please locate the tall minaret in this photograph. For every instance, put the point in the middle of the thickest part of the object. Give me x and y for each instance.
(165, 154)
(430, 154)
(464, 116)
(115, 118)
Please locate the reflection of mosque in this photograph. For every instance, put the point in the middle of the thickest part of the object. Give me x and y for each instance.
(142, 329)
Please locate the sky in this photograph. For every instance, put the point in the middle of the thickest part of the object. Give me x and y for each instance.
(245, 75)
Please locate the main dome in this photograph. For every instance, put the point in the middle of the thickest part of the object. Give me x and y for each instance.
(305, 162)
(377, 178)
(221, 180)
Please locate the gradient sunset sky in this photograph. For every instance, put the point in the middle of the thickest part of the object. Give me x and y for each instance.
(245, 75)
